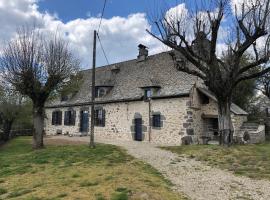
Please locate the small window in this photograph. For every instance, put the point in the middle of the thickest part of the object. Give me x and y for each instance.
(156, 120)
(100, 117)
(147, 93)
(70, 117)
(100, 92)
(64, 98)
(57, 118)
(150, 92)
(205, 99)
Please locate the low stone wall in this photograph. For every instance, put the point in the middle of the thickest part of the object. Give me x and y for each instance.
(253, 136)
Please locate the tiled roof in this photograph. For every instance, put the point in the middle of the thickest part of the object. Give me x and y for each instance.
(234, 108)
(128, 78)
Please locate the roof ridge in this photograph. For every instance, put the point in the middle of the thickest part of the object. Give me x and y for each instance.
(117, 63)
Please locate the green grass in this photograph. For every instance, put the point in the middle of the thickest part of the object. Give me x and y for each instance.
(77, 172)
(248, 160)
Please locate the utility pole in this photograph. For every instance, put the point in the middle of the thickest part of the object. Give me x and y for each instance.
(92, 134)
(150, 120)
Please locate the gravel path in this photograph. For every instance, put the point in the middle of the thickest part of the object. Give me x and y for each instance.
(191, 177)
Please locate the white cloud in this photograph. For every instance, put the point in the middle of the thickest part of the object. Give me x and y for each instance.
(120, 35)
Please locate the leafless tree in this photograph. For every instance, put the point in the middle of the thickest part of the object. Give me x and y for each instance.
(264, 84)
(249, 26)
(36, 66)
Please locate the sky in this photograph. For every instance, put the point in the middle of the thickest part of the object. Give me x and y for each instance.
(122, 30)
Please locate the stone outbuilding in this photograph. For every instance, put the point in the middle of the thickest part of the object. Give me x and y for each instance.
(145, 99)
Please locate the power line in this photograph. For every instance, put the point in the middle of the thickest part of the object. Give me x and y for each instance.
(104, 53)
(102, 14)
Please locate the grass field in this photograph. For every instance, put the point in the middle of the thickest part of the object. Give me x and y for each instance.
(77, 172)
(248, 160)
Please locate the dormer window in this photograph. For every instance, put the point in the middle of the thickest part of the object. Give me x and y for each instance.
(151, 91)
(101, 91)
(148, 92)
(64, 97)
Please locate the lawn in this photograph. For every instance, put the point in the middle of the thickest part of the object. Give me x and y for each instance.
(248, 160)
(77, 172)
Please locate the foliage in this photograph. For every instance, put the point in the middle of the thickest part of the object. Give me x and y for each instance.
(264, 84)
(69, 87)
(106, 172)
(244, 93)
(25, 116)
(10, 107)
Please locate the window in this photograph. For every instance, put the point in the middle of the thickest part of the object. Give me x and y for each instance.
(156, 120)
(64, 98)
(147, 92)
(57, 118)
(99, 117)
(100, 92)
(70, 117)
(205, 99)
(151, 91)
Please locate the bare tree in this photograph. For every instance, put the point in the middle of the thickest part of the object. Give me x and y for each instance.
(249, 26)
(264, 85)
(36, 67)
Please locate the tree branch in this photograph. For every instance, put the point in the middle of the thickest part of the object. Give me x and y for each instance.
(254, 64)
(254, 75)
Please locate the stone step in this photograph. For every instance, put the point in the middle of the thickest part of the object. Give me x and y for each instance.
(249, 126)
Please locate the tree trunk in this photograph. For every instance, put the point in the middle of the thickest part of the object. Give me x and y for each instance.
(38, 122)
(6, 130)
(225, 122)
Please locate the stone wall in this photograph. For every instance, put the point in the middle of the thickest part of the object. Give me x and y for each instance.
(119, 121)
(209, 110)
(63, 129)
(180, 117)
(238, 121)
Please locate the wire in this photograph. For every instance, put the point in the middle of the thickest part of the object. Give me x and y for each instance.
(102, 14)
(104, 53)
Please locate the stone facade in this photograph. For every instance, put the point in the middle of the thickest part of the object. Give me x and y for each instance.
(175, 99)
(180, 117)
(120, 121)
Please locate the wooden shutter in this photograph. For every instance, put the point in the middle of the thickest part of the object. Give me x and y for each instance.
(53, 118)
(59, 118)
(73, 117)
(156, 121)
(103, 117)
(66, 118)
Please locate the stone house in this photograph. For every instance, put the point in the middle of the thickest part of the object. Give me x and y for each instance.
(145, 99)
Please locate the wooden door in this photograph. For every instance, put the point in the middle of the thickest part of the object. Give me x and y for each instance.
(138, 129)
(84, 125)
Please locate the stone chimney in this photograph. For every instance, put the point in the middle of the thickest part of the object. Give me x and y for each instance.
(143, 52)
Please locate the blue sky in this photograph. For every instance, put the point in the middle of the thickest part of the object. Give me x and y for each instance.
(68, 11)
(123, 28)
(71, 9)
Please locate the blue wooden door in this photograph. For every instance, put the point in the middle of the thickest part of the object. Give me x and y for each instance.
(138, 129)
(84, 121)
